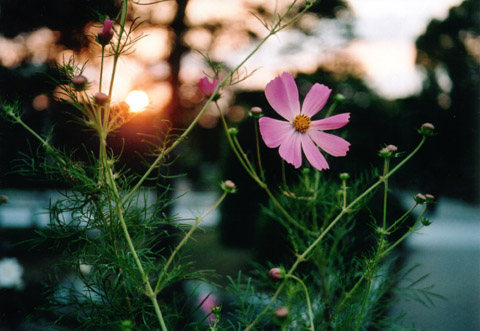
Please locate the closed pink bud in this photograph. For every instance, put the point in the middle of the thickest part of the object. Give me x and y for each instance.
(79, 83)
(206, 87)
(101, 98)
(105, 34)
(282, 312)
(276, 274)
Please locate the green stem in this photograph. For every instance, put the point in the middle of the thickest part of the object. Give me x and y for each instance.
(184, 240)
(257, 143)
(44, 143)
(401, 219)
(148, 288)
(117, 52)
(284, 177)
(344, 193)
(244, 155)
(405, 235)
(307, 298)
(101, 69)
(331, 109)
(285, 213)
(364, 302)
(349, 294)
(237, 149)
(385, 194)
(381, 245)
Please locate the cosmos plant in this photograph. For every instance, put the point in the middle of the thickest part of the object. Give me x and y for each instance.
(128, 254)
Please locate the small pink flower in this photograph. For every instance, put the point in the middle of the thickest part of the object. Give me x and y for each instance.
(206, 87)
(105, 34)
(300, 132)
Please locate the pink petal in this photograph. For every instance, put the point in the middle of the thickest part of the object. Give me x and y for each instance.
(291, 149)
(282, 94)
(106, 32)
(107, 25)
(330, 143)
(315, 99)
(332, 122)
(316, 159)
(273, 131)
(207, 87)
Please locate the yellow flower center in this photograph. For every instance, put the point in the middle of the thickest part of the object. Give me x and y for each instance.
(301, 123)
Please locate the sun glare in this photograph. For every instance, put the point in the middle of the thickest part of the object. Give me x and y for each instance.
(137, 100)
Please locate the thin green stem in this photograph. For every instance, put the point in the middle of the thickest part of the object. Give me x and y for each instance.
(116, 56)
(165, 152)
(371, 267)
(285, 213)
(349, 294)
(365, 301)
(101, 69)
(243, 155)
(331, 109)
(307, 298)
(401, 219)
(119, 211)
(385, 193)
(284, 177)
(236, 148)
(344, 193)
(259, 158)
(44, 143)
(184, 240)
(405, 235)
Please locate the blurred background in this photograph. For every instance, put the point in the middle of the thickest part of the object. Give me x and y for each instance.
(398, 64)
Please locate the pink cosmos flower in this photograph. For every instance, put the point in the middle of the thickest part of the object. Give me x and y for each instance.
(206, 87)
(105, 34)
(299, 132)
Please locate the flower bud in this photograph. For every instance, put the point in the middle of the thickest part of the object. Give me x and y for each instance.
(276, 274)
(216, 309)
(105, 34)
(126, 325)
(206, 87)
(388, 151)
(392, 148)
(228, 186)
(101, 98)
(430, 198)
(233, 131)
(420, 198)
(344, 176)
(282, 312)
(339, 98)
(426, 221)
(427, 129)
(256, 112)
(79, 83)
(3, 199)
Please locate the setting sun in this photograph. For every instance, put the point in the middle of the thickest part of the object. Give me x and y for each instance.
(137, 100)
